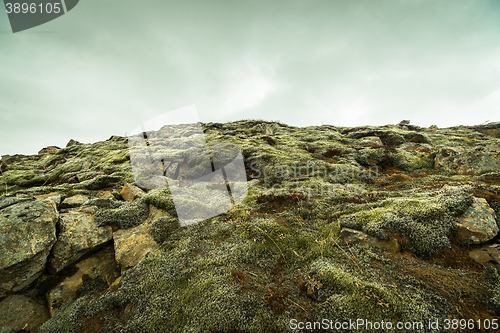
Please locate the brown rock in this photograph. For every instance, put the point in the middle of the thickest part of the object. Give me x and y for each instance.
(132, 245)
(351, 236)
(129, 192)
(74, 201)
(478, 224)
(101, 265)
(19, 313)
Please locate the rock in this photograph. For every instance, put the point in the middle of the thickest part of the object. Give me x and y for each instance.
(129, 192)
(74, 201)
(369, 141)
(392, 139)
(49, 150)
(486, 255)
(404, 122)
(19, 313)
(28, 234)
(100, 266)
(78, 235)
(468, 161)
(53, 196)
(478, 224)
(433, 129)
(351, 236)
(132, 245)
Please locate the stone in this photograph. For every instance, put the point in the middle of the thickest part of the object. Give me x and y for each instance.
(478, 223)
(52, 196)
(404, 122)
(432, 129)
(132, 245)
(19, 313)
(129, 192)
(486, 255)
(49, 150)
(351, 236)
(468, 161)
(78, 235)
(74, 201)
(101, 266)
(28, 234)
(369, 141)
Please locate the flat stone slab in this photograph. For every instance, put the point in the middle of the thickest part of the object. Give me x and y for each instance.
(27, 234)
(478, 224)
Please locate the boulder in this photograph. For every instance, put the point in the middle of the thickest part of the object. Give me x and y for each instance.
(132, 245)
(28, 234)
(100, 267)
(478, 223)
(78, 235)
(19, 313)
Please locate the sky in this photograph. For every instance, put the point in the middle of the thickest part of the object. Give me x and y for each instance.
(106, 67)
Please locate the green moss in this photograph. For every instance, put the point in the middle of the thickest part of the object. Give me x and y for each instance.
(427, 221)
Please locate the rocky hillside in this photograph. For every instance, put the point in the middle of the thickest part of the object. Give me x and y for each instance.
(361, 225)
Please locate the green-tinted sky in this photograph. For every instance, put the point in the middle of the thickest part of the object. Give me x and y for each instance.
(107, 66)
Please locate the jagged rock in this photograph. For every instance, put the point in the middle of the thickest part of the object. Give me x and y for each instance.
(351, 236)
(478, 224)
(28, 234)
(78, 235)
(129, 192)
(53, 196)
(20, 313)
(132, 245)
(100, 267)
(469, 161)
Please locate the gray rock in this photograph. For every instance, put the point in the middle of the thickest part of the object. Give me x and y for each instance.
(78, 235)
(28, 234)
(19, 313)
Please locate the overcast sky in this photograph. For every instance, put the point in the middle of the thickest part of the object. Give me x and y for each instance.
(105, 67)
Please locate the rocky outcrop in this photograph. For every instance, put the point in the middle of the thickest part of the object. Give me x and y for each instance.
(28, 234)
(478, 224)
(97, 271)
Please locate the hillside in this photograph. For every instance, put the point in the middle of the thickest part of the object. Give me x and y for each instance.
(393, 223)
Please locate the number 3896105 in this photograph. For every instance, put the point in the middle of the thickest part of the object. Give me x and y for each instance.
(33, 8)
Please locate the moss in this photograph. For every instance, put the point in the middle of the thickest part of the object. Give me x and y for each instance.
(427, 221)
(127, 216)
